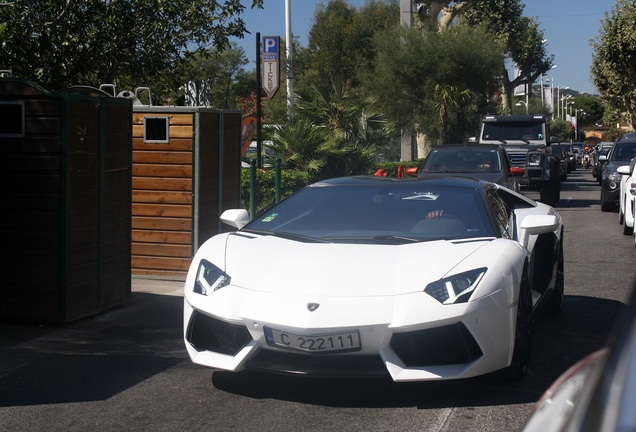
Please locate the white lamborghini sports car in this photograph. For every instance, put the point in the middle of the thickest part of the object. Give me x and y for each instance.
(420, 279)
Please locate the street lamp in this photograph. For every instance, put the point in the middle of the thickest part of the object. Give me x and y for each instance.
(562, 105)
(560, 113)
(576, 126)
(565, 108)
(522, 103)
(548, 81)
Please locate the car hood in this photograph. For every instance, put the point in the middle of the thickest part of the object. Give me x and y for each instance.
(276, 265)
(613, 165)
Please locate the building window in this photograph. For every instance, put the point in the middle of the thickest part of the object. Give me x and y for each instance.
(12, 123)
(156, 130)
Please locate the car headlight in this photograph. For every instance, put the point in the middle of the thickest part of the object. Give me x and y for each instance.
(614, 177)
(209, 278)
(534, 159)
(457, 288)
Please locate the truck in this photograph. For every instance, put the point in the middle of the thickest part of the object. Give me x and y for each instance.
(527, 140)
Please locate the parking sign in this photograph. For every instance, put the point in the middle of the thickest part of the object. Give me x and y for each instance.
(270, 65)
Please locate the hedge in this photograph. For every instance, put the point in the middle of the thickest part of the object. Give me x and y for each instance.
(293, 181)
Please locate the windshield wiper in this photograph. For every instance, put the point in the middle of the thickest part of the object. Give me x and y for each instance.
(286, 235)
(397, 237)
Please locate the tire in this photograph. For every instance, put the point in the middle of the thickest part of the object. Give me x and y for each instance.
(607, 206)
(523, 335)
(621, 217)
(627, 230)
(549, 194)
(555, 305)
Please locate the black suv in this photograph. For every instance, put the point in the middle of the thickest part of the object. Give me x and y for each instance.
(621, 154)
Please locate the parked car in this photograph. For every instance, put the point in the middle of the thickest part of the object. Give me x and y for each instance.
(599, 392)
(268, 158)
(602, 149)
(577, 148)
(571, 157)
(558, 151)
(628, 136)
(485, 161)
(621, 154)
(417, 279)
(627, 193)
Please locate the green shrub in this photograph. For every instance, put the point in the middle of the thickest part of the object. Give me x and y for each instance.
(292, 181)
(265, 197)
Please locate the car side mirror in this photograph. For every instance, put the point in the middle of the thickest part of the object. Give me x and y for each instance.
(237, 218)
(537, 224)
(624, 169)
(472, 140)
(602, 158)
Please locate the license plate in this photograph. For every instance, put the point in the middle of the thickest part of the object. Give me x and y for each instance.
(336, 342)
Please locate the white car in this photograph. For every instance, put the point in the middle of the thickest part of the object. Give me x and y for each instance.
(626, 196)
(420, 279)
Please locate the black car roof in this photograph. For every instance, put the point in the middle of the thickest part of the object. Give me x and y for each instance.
(370, 180)
(474, 146)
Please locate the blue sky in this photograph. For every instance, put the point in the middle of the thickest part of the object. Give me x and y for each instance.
(568, 26)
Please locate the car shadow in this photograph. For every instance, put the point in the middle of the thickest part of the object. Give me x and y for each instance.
(559, 342)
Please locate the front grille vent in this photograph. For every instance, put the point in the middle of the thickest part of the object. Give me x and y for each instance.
(209, 334)
(447, 345)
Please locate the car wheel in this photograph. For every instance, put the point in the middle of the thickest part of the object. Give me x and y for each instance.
(555, 307)
(548, 193)
(626, 230)
(621, 217)
(523, 334)
(607, 206)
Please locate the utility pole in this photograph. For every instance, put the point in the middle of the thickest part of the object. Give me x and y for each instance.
(288, 61)
(406, 141)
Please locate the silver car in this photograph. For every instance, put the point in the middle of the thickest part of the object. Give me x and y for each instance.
(599, 392)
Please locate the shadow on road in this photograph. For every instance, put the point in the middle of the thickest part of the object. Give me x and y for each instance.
(559, 342)
(91, 359)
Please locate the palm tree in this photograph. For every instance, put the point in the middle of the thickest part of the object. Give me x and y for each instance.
(447, 97)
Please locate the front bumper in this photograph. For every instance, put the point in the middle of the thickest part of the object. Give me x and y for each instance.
(609, 194)
(408, 338)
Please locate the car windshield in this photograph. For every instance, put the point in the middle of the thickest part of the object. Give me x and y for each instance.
(624, 152)
(506, 131)
(462, 160)
(393, 213)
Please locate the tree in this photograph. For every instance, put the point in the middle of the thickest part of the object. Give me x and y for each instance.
(442, 80)
(332, 133)
(125, 42)
(521, 39)
(221, 71)
(341, 42)
(614, 60)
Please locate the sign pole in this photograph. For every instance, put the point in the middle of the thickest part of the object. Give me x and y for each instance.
(258, 101)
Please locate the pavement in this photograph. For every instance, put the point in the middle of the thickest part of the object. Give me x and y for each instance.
(149, 285)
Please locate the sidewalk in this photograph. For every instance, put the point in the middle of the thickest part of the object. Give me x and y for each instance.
(157, 286)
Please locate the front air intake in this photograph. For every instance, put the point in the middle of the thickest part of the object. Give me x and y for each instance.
(447, 345)
(209, 334)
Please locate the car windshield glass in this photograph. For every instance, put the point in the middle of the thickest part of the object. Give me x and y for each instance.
(397, 212)
(506, 131)
(462, 160)
(624, 152)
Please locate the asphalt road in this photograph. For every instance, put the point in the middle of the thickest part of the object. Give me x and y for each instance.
(127, 369)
